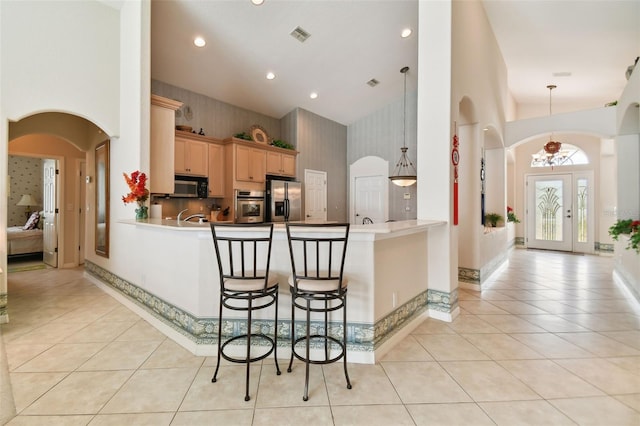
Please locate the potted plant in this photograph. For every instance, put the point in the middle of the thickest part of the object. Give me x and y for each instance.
(493, 219)
(511, 216)
(628, 227)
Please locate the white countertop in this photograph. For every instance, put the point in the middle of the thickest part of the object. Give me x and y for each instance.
(402, 226)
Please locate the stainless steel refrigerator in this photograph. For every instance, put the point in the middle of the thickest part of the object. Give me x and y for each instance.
(284, 200)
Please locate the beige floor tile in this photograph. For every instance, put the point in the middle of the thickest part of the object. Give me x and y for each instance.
(99, 331)
(554, 307)
(141, 330)
(534, 413)
(598, 411)
(632, 400)
(510, 324)
(551, 346)
(145, 419)
(27, 387)
(218, 417)
(19, 354)
(48, 333)
(371, 415)
(550, 380)
(600, 345)
(287, 389)
(488, 381)
(79, 393)
(604, 375)
(152, 391)
(423, 382)
(120, 356)
(50, 420)
(61, 357)
(553, 323)
(630, 337)
(408, 349)
(170, 354)
(433, 326)
(450, 347)
(363, 378)
(472, 324)
(466, 413)
(518, 307)
(481, 307)
(293, 416)
(121, 313)
(631, 363)
(501, 346)
(227, 393)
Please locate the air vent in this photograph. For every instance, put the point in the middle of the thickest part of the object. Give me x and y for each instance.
(373, 82)
(300, 34)
(562, 74)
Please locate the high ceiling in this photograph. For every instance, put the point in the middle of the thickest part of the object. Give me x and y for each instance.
(353, 42)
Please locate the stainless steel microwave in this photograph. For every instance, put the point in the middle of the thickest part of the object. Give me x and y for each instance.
(190, 187)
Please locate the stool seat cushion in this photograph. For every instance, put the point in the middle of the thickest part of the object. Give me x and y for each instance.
(249, 283)
(317, 285)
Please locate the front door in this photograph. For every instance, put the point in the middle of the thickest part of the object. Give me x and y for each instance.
(49, 201)
(549, 212)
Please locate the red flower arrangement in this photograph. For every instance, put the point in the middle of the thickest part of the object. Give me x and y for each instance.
(511, 216)
(136, 183)
(628, 227)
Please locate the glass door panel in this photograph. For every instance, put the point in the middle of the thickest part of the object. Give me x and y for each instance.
(549, 212)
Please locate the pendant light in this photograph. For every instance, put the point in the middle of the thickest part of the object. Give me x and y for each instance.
(553, 155)
(404, 173)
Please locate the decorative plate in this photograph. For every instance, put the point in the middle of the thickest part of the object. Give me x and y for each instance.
(258, 134)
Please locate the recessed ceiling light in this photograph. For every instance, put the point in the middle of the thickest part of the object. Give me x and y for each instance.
(313, 95)
(199, 42)
(257, 2)
(373, 82)
(406, 32)
(270, 75)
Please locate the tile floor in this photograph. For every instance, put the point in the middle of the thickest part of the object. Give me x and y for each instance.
(552, 340)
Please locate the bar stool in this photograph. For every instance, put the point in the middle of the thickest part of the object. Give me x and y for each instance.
(243, 253)
(317, 285)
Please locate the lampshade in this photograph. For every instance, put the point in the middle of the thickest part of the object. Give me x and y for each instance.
(404, 173)
(27, 200)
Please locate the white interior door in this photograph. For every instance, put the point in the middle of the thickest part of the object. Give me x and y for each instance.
(550, 212)
(49, 202)
(369, 199)
(315, 195)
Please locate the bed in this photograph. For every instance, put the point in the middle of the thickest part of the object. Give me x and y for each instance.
(22, 241)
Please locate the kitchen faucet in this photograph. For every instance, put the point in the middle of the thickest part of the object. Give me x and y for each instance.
(180, 214)
(186, 219)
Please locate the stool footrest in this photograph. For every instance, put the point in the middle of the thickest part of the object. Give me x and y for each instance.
(324, 339)
(244, 336)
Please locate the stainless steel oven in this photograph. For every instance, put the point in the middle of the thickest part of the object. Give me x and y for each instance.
(249, 206)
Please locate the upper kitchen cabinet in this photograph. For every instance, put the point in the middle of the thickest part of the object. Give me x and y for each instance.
(250, 164)
(162, 154)
(216, 171)
(191, 155)
(281, 163)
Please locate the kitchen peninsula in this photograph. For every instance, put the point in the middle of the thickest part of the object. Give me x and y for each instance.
(174, 284)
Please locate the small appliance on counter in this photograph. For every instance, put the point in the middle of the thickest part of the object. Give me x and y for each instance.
(249, 206)
(284, 200)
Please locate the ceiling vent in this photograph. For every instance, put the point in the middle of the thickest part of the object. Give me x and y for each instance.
(373, 82)
(300, 34)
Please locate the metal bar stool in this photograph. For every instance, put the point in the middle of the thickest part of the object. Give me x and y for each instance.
(243, 253)
(317, 285)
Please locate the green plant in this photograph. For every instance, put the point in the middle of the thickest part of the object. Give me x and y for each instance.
(628, 227)
(243, 135)
(493, 219)
(511, 216)
(282, 144)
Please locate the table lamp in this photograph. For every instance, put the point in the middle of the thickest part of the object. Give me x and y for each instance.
(27, 200)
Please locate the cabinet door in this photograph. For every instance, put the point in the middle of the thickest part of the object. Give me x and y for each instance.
(289, 164)
(250, 164)
(216, 171)
(162, 151)
(274, 162)
(197, 158)
(180, 160)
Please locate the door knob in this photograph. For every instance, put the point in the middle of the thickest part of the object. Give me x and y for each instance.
(568, 216)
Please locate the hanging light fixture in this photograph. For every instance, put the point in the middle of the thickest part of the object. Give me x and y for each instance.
(404, 173)
(552, 153)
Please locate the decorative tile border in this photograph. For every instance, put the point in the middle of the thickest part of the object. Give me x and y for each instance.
(363, 337)
(3, 305)
(603, 247)
(519, 241)
(468, 275)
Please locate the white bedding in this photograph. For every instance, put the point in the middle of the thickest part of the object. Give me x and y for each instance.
(20, 241)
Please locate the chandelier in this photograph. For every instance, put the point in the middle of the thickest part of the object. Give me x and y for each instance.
(404, 173)
(552, 153)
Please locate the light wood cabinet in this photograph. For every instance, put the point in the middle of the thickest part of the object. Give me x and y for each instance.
(250, 164)
(216, 171)
(162, 153)
(191, 157)
(281, 164)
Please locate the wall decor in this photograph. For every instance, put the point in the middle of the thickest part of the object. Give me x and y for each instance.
(102, 199)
